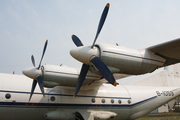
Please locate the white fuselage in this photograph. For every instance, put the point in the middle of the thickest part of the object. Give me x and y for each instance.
(128, 102)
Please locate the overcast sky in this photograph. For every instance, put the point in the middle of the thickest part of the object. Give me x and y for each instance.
(26, 24)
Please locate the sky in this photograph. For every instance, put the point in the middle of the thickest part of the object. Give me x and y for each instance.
(26, 24)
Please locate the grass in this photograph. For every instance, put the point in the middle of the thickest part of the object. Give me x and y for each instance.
(161, 116)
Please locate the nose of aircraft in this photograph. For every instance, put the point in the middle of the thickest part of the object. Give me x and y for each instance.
(31, 72)
(84, 54)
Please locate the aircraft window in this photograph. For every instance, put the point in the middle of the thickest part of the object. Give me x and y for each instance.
(129, 101)
(112, 101)
(52, 98)
(8, 96)
(103, 100)
(93, 100)
(119, 101)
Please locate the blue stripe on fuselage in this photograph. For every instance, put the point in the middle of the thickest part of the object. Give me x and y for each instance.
(52, 105)
(7, 91)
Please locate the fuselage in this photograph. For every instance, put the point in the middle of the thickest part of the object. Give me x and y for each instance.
(127, 102)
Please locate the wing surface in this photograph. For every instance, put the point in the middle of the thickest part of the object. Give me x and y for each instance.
(169, 50)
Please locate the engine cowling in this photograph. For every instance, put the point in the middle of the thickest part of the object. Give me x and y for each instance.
(125, 60)
(64, 76)
(130, 61)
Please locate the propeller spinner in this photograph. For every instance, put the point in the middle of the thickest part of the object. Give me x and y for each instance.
(89, 55)
(35, 73)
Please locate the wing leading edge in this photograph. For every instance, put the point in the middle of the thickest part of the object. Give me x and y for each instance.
(169, 50)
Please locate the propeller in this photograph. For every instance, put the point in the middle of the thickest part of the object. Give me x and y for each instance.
(88, 56)
(33, 60)
(103, 70)
(81, 78)
(35, 73)
(45, 46)
(101, 22)
(76, 41)
(32, 89)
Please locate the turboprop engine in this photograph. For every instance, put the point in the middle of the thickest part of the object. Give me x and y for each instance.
(124, 60)
(109, 59)
(51, 75)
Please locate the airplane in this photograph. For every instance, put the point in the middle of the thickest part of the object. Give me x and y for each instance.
(103, 60)
(97, 101)
(94, 97)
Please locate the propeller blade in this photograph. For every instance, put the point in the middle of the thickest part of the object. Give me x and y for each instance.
(104, 70)
(40, 82)
(33, 60)
(76, 41)
(101, 22)
(81, 78)
(45, 45)
(32, 89)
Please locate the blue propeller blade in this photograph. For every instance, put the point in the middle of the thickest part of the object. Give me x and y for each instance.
(33, 60)
(33, 87)
(76, 41)
(39, 78)
(43, 53)
(81, 78)
(40, 82)
(101, 22)
(104, 70)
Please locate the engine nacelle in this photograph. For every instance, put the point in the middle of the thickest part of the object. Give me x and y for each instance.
(49, 84)
(59, 115)
(64, 76)
(130, 61)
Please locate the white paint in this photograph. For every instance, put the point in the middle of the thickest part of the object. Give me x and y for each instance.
(136, 100)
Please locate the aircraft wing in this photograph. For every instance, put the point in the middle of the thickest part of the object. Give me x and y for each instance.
(169, 50)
